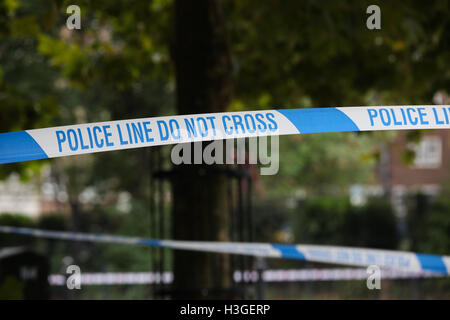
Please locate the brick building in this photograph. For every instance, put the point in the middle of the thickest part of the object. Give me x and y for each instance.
(428, 173)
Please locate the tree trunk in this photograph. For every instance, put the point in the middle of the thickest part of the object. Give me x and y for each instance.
(200, 212)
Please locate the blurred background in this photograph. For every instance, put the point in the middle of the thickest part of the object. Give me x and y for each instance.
(134, 59)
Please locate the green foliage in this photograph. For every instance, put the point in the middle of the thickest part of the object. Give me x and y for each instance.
(269, 219)
(11, 288)
(333, 220)
(48, 74)
(321, 220)
(324, 163)
(27, 96)
(322, 54)
(429, 223)
(58, 222)
(15, 220)
(374, 226)
(118, 44)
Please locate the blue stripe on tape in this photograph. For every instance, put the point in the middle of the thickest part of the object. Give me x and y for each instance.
(289, 251)
(319, 120)
(431, 263)
(150, 242)
(19, 146)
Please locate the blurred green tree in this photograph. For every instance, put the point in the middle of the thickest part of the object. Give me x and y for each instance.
(334, 221)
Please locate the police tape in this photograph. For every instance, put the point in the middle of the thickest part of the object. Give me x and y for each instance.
(399, 260)
(247, 276)
(145, 132)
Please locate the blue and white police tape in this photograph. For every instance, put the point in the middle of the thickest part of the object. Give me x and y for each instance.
(145, 132)
(399, 260)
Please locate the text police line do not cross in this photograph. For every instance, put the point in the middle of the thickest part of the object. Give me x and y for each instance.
(221, 151)
(187, 129)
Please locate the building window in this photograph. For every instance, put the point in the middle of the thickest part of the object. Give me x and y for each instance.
(428, 153)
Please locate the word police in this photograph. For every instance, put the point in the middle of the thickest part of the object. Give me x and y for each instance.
(409, 116)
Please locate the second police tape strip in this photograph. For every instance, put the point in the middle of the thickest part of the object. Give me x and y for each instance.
(399, 260)
(280, 275)
(145, 132)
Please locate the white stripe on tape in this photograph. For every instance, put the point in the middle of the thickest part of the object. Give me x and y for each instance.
(146, 132)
